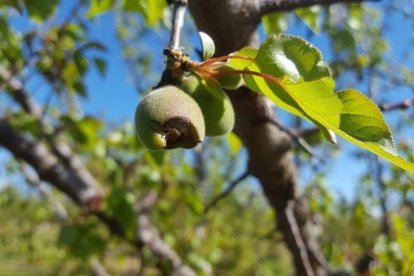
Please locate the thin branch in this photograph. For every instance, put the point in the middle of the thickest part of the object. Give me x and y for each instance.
(16, 86)
(200, 166)
(300, 244)
(399, 105)
(61, 150)
(226, 192)
(97, 268)
(150, 236)
(269, 6)
(146, 202)
(385, 220)
(298, 140)
(305, 132)
(179, 9)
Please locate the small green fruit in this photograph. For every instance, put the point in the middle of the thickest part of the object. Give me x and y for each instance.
(168, 118)
(217, 109)
(230, 82)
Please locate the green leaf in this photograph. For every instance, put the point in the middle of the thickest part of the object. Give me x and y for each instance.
(84, 130)
(100, 65)
(12, 3)
(98, 7)
(274, 23)
(286, 55)
(235, 143)
(208, 45)
(40, 10)
(293, 56)
(360, 121)
(134, 6)
(274, 92)
(363, 124)
(4, 28)
(151, 10)
(93, 45)
(80, 88)
(343, 39)
(311, 17)
(83, 240)
(291, 73)
(81, 62)
(121, 204)
(241, 64)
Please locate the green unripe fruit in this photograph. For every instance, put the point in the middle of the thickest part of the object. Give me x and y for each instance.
(168, 118)
(217, 109)
(231, 81)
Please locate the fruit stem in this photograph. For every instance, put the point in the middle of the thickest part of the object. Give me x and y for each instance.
(247, 72)
(224, 58)
(179, 10)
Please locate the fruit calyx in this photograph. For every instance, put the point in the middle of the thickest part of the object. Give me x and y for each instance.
(179, 132)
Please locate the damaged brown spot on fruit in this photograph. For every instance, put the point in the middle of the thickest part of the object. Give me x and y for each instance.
(180, 133)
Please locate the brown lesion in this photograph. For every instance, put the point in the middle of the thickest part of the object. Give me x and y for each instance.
(180, 133)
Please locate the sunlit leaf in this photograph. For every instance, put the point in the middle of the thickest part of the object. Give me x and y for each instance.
(274, 92)
(293, 56)
(98, 7)
(274, 23)
(151, 10)
(40, 10)
(311, 16)
(235, 143)
(291, 73)
(100, 65)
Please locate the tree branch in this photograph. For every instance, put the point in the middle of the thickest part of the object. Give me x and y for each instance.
(47, 165)
(300, 244)
(270, 159)
(179, 8)
(399, 105)
(269, 6)
(382, 195)
(150, 236)
(298, 139)
(226, 192)
(68, 181)
(33, 179)
(64, 171)
(61, 150)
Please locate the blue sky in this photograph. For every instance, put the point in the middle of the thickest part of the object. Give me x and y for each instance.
(114, 98)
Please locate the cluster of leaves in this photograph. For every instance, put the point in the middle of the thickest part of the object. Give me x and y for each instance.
(291, 73)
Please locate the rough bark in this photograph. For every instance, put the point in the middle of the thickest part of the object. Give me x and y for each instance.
(232, 25)
(47, 165)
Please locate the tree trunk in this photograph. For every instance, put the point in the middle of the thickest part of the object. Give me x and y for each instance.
(232, 24)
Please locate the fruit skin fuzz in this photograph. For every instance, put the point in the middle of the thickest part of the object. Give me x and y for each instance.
(168, 118)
